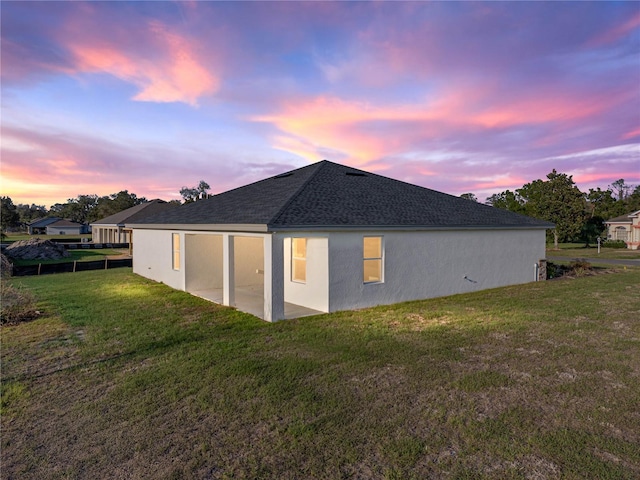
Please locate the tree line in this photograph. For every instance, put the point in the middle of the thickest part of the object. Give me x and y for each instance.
(86, 208)
(578, 216)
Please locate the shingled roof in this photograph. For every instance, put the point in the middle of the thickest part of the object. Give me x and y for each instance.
(329, 195)
(626, 218)
(135, 213)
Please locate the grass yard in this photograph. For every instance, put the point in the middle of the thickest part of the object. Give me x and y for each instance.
(88, 255)
(125, 378)
(576, 250)
(14, 237)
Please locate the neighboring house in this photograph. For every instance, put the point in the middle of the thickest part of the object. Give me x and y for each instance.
(66, 227)
(112, 229)
(39, 227)
(626, 228)
(327, 237)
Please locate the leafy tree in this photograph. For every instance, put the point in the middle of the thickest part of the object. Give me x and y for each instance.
(621, 189)
(29, 213)
(556, 200)
(601, 203)
(507, 200)
(76, 209)
(196, 193)
(114, 203)
(8, 214)
(469, 196)
(633, 201)
(591, 229)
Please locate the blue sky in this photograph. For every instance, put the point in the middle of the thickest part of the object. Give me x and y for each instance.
(476, 97)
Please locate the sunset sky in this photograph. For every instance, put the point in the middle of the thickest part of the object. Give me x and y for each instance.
(476, 97)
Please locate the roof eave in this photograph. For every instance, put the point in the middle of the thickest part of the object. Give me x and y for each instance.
(201, 227)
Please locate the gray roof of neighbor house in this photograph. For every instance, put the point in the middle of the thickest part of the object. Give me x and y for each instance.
(135, 213)
(43, 222)
(326, 194)
(626, 218)
(64, 223)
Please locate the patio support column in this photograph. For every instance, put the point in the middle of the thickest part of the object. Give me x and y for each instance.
(228, 271)
(273, 278)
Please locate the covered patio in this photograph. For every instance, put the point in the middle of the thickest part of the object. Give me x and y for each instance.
(230, 269)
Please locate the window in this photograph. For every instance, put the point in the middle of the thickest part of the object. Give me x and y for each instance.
(176, 250)
(299, 260)
(621, 233)
(372, 259)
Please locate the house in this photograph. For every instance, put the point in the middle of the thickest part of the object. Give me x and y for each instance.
(626, 228)
(39, 227)
(66, 227)
(328, 237)
(112, 229)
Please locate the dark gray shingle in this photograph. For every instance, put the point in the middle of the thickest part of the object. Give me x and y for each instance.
(135, 213)
(327, 194)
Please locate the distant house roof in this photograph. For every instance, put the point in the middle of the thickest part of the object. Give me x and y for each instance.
(135, 213)
(43, 222)
(626, 218)
(327, 194)
(64, 223)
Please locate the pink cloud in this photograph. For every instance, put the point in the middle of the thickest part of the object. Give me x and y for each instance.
(47, 166)
(163, 62)
(173, 74)
(631, 134)
(617, 32)
(363, 131)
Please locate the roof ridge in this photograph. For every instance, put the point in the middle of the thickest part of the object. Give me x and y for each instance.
(295, 195)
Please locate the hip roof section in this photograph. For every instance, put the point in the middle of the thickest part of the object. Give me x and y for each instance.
(329, 195)
(135, 213)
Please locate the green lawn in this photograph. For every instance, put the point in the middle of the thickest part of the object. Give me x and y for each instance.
(577, 250)
(88, 255)
(14, 237)
(126, 378)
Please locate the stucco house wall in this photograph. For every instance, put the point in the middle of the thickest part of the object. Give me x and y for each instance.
(203, 260)
(66, 227)
(420, 265)
(626, 228)
(152, 257)
(314, 293)
(248, 261)
(416, 265)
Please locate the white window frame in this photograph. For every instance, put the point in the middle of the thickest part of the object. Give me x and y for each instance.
(621, 232)
(296, 259)
(380, 258)
(175, 250)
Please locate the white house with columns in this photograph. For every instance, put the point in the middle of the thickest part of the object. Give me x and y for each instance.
(328, 237)
(112, 229)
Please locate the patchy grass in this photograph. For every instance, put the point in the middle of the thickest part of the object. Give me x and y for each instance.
(575, 250)
(123, 377)
(88, 255)
(18, 304)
